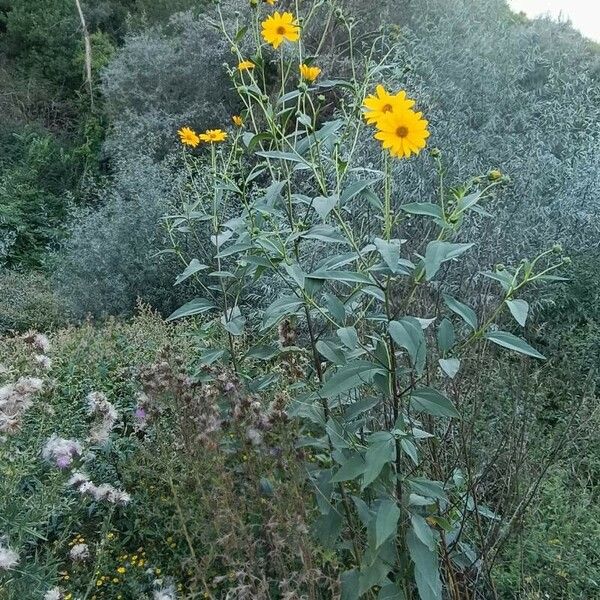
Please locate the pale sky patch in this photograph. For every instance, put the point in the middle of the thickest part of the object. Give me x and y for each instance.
(583, 14)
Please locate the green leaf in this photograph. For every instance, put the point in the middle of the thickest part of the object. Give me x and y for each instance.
(408, 334)
(450, 366)
(438, 252)
(423, 531)
(324, 205)
(519, 309)
(283, 306)
(427, 575)
(354, 189)
(391, 591)
(351, 469)
(335, 307)
(348, 377)
(386, 521)
(345, 276)
(377, 456)
(325, 233)
(445, 336)
(331, 351)
(390, 252)
(194, 266)
(512, 342)
(423, 208)
(430, 401)
(233, 321)
(194, 307)
(287, 156)
(427, 487)
(348, 336)
(350, 585)
(466, 313)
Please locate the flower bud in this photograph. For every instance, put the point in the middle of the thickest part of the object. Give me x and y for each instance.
(567, 260)
(321, 98)
(500, 267)
(494, 175)
(557, 249)
(435, 152)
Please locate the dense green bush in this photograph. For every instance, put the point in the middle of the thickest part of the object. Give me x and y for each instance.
(520, 96)
(28, 301)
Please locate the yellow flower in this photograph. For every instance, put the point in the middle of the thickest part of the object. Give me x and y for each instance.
(213, 135)
(237, 120)
(402, 132)
(115, 580)
(121, 570)
(309, 73)
(188, 137)
(382, 103)
(279, 27)
(246, 65)
(271, 2)
(99, 583)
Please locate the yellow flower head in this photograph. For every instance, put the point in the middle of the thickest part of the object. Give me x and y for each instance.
(271, 2)
(279, 27)
(237, 120)
(402, 132)
(188, 137)
(309, 73)
(246, 65)
(382, 102)
(213, 135)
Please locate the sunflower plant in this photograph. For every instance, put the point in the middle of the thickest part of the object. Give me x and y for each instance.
(366, 308)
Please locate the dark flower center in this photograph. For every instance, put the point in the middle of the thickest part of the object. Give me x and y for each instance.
(281, 30)
(402, 131)
(387, 108)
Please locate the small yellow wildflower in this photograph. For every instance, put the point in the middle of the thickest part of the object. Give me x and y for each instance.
(382, 102)
(157, 571)
(213, 136)
(188, 137)
(99, 583)
(237, 120)
(309, 73)
(280, 27)
(69, 596)
(121, 570)
(110, 535)
(270, 2)
(402, 133)
(115, 580)
(246, 65)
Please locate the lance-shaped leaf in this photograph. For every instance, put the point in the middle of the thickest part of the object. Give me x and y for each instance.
(439, 252)
(430, 401)
(466, 313)
(386, 521)
(512, 342)
(408, 334)
(324, 205)
(284, 306)
(194, 266)
(519, 309)
(380, 453)
(348, 377)
(427, 575)
(194, 307)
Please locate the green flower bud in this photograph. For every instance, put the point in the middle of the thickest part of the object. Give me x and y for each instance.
(321, 98)
(500, 267)
(494, 175)
(567, 260)
(557, 249)
(435, 152)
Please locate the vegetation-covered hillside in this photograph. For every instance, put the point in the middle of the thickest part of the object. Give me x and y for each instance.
(297, 300)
